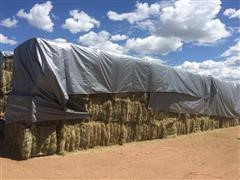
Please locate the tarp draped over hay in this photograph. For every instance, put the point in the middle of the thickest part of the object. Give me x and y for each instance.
(47, 72)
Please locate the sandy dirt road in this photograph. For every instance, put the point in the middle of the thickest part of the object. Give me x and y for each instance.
(209, 156)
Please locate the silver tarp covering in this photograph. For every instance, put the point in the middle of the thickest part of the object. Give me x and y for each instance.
(47, 72)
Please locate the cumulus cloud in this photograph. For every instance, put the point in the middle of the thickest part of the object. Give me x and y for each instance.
(39, 16)
(154, 44)
(223, 70)
(79, 22)
(142, 11)
(192, 21)
(60, 40)
(232, 13)
(101, 40)
(153, 59)
(232, 51)
(6, 40)
(183, 21)
(118, 37)
(9, 22)
(228, 69)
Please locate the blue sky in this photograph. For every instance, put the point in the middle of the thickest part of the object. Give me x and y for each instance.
(198, 36)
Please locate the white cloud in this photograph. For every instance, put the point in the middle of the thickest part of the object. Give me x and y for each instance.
(6, 40)
(142, 11)
(192, 21)
(39, 16)
(232, 51)
(179, 22)
(225, 70)
(118, 37)
(92, 38)
(232, 13)
(228, 69)
(9, 23)
(154, 44)
(101, 41)
(60, 40)
(79, 22)
(152, 59)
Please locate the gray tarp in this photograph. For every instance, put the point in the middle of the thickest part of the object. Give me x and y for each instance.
(46, 73)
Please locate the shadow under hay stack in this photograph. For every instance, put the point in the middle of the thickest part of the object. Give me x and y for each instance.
(79, 114)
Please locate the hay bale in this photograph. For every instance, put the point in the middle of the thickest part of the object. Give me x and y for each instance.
(115, 119)
(91, 134)
(195, 124)
(181, 127)
(25, 144)
(77, 134)
(126, 107)
(45, 138)
(104, 135)
(61, 137)
(113, 132)
(138, 132)
(144, 113)
(108, 111)
(136, 111)
(20, 147)
(161, 130)
(3, 106)
(205, 125)
(170, 127)
(228, 122)
(142, 132)
(155, 125)
(130, 131)
(123, 134)
(84, 135)
(7, 82)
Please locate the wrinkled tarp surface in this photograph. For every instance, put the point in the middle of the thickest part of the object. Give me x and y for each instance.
(47, 72)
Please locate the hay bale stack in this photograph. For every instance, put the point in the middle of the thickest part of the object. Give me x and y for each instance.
(44, 138)
(18, 140)
(3, 101)
(24, 141)
(193, 124)
(115, 119)
(207, 123)
(169, 125)
(80, 135)
(5, 83)
(228, 122)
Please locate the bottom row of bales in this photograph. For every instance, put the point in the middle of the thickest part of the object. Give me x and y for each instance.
(45, 138)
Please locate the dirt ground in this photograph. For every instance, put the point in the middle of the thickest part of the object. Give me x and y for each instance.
(208, 155)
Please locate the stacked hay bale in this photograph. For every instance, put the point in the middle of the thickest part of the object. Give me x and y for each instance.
(30, 140)
(120, 118)
(5, 82)
(115, 119)
(5, 86)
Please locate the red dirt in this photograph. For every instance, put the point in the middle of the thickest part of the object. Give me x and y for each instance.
(210, 155)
